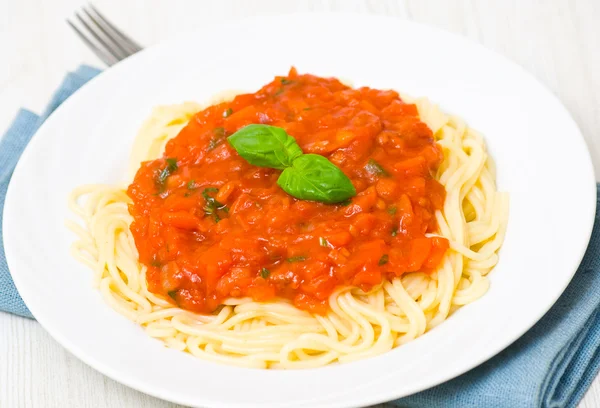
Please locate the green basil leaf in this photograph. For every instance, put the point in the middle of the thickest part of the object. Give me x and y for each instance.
(304, 176)
(313, 177)
(265, 146)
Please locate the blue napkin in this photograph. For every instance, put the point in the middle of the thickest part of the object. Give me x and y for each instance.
(551, 366)
(12, 145)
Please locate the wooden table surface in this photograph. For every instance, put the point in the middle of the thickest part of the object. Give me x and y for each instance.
(558, 41)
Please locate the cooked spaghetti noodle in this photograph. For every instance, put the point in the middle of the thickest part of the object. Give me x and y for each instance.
(276, 334)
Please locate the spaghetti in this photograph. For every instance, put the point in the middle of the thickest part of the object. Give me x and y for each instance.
(276, 334)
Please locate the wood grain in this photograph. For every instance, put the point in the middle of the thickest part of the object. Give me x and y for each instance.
(556, 41)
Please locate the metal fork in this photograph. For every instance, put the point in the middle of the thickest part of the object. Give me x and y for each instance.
(109, 43)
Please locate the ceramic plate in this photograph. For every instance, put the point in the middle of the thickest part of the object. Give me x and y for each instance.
(541, 157)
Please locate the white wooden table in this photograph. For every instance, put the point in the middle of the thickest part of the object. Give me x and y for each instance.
(558, 41)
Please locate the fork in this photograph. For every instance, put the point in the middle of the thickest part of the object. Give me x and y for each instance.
(109, 43)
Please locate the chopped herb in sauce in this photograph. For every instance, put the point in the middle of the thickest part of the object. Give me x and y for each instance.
(296, 259)
(171, 163)
(228, 112)
(285, 81)
(213, 206)
(323, 242)
(392, 210)
(376, 169)
(264, 272)
(161, 180)
(209, 190)
(219, 136)
(191, 185)
(172, 294)
(394, 231)
(383, 260)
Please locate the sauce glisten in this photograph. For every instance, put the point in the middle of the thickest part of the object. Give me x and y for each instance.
(209, 226)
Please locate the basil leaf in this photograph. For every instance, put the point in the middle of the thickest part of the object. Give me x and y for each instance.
(304, 176)
(265, 146)
(313, 177)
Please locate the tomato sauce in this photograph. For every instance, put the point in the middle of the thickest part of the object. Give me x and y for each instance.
(209, 226)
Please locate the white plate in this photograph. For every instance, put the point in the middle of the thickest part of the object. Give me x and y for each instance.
(541, 158)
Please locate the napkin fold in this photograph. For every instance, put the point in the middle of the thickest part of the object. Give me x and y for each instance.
(551, 366)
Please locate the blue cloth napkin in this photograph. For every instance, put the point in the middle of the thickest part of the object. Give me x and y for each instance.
(12, 145)
(551, 366)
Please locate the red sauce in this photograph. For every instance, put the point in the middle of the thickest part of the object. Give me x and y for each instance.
(208, 225)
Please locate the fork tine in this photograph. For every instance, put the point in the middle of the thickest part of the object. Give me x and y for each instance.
(108, 59)
(135, 47)
(118, 54)
(122, 49)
